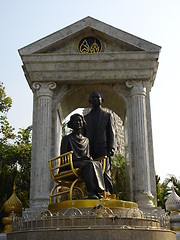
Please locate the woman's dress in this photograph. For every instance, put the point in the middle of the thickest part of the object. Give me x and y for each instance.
(91, 171)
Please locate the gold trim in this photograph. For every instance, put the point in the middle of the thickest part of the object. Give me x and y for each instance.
(175, 228)
(67, 178)
(91, 203)
(90, 49)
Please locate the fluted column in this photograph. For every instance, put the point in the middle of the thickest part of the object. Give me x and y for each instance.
(41, 147)
(150, 148)
(140, 156)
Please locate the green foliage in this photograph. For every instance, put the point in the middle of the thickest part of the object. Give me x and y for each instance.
(15, 157)
(162, 192)
(6, 131)
(64, 128)
(15, 167)
(23, 159)
(172, 180)
(165, 188)
(118, 172)
(5, 102)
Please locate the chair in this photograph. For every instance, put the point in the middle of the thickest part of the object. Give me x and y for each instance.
(66, 177)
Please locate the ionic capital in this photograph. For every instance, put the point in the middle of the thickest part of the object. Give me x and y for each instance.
(44, 88)
(136, 87)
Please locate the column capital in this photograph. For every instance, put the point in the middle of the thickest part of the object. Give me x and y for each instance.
(137, 87)
(44, 88)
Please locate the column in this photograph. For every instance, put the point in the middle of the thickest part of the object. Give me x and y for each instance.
(41, 145)
(139, 141)
(150, 148)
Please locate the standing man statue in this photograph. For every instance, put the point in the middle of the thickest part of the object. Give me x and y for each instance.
(99, 130)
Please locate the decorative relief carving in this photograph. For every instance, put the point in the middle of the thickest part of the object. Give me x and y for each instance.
(51, 85)
(44, 88)
(36, 85)
(129, 84)
(136, 88)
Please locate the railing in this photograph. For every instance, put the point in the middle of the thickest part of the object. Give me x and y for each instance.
(97, 218)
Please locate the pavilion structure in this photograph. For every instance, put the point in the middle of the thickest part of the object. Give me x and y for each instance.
(63, 68)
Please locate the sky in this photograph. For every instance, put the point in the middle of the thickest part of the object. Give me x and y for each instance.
(157, 21)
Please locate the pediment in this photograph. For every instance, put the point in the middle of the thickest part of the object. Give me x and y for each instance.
(66, 40)
(70, 45)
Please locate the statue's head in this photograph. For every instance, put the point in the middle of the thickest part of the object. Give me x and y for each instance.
(95, 98)
(76, 121)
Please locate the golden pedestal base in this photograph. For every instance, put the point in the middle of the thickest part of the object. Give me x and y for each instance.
(91, 203)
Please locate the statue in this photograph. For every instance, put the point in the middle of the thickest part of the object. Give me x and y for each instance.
(91, 171)
(99, 130)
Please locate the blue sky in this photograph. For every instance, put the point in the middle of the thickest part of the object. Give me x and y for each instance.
(158, 21)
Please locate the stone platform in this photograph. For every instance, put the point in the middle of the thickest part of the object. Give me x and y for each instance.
(94, 233)
(91, 219)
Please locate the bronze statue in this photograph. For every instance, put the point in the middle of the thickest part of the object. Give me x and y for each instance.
(91, 171)
(100, 132)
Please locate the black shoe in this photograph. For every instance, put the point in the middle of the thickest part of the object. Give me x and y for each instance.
(92, 196)
(99, 195)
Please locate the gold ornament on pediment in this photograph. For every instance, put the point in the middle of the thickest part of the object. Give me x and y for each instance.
(94, 47)
(90, 45)
(84, 47)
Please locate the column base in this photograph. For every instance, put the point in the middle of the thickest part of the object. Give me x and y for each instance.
(145, 201)
(39, 202)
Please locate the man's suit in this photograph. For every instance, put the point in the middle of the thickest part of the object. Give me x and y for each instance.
(99, 130)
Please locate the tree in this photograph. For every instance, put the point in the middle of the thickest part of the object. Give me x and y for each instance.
(64, 128)
(164, 189)
(15, 156)
(22, 153)
(118, 172)
(5, 102)
(6, 131)
(15, 167)
(122, 192)
(172, 180)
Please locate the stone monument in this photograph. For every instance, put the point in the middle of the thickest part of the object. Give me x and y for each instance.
(62, 69)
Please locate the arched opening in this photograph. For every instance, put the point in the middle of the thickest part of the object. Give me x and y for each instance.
(76, 99)
(78, 96)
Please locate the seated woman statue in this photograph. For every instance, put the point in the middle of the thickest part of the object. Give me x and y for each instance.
(91, 171)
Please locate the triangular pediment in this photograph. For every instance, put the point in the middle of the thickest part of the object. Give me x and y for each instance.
(67, 39)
